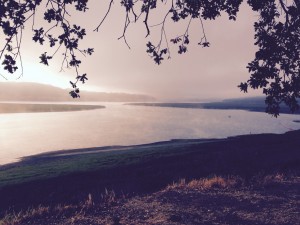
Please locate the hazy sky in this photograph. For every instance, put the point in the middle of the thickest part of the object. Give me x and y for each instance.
(202, 73)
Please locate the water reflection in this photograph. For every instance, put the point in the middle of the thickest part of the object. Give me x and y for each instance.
(31, 133)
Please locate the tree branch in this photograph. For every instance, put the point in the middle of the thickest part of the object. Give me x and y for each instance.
(283, 6)
(146, 19)
(110, 4)
(127, 22)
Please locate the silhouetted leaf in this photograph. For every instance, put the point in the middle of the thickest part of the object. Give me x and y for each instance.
(44, 58)
(82, 78)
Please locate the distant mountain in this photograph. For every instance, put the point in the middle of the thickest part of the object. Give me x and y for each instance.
(12, 91)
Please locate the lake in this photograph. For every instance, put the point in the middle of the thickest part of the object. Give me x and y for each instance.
(24, 134)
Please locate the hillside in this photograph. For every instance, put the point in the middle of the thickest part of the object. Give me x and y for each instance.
(269, 200)
(254, 104)
(11, 91)
(249, 179)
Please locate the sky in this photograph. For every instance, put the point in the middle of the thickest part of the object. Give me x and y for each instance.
(201, 73)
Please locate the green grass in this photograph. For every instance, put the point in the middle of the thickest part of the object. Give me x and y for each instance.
(43, 167)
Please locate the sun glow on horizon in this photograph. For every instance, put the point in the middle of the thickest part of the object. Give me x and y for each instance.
(37, 73)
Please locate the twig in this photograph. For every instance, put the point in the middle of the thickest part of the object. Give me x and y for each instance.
(146, 19)
(110, 4)
(127, 22)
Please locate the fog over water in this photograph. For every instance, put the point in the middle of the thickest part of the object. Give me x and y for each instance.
(24, 134)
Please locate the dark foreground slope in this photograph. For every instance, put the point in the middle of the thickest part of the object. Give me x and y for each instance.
(269, 200)
(137, 170)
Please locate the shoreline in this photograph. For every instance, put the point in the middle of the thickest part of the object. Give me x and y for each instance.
(112, 148)
(56, 154)
(173, 143)
(170, 145)
(225, 105)
(143, 169)
(145, 146)
(68, 153)
(6, 108)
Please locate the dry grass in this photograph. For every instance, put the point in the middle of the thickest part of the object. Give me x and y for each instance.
(108, 197)
(272, 179)
(16, 218)
(208, 183)
(73, 214)
(168, 205)
(228, 182)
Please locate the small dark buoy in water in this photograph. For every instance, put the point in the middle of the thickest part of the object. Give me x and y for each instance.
(229, 116)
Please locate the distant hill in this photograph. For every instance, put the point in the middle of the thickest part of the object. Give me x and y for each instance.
(11, 91)
(255, 104)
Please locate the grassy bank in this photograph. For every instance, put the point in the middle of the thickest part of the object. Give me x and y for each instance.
(34, 108)
(68, 178)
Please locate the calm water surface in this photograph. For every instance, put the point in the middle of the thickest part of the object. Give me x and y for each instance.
(24, 134)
